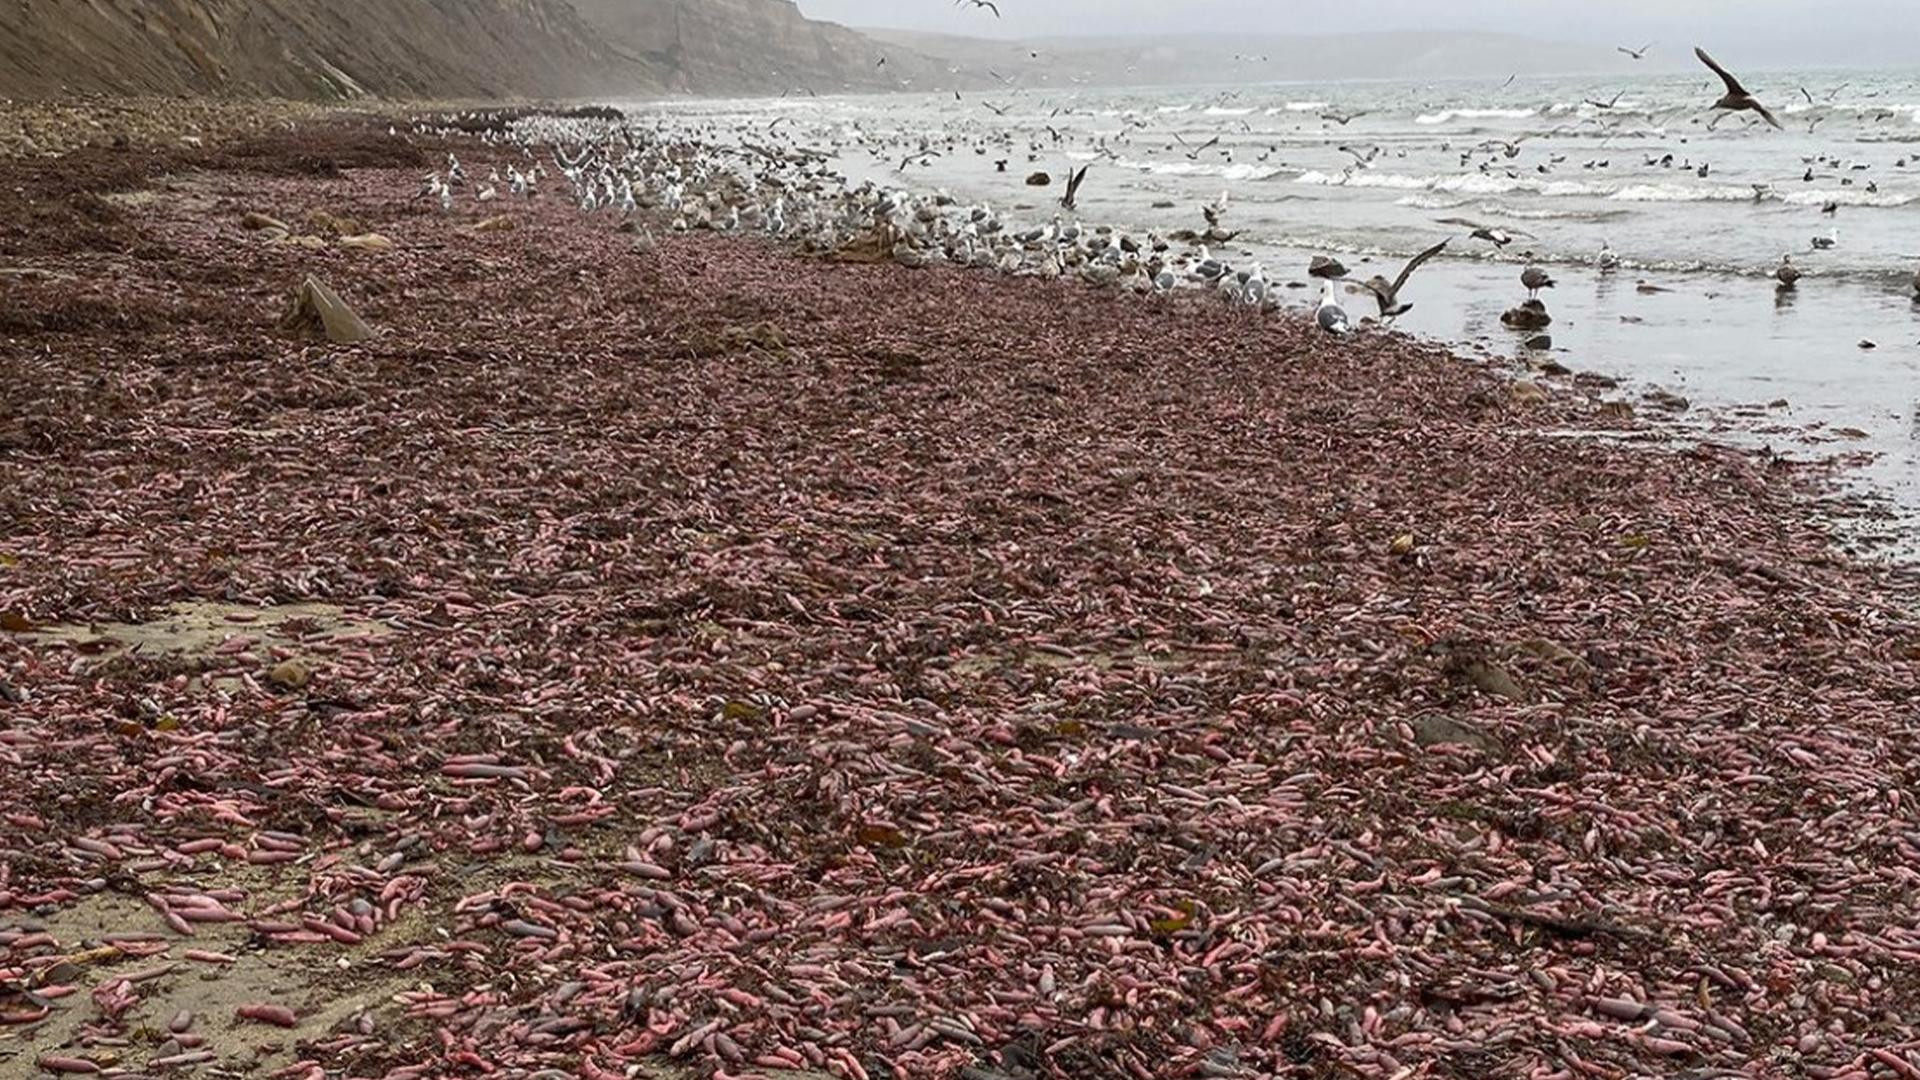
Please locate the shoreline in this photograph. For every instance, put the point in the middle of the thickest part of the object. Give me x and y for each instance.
(746, 659)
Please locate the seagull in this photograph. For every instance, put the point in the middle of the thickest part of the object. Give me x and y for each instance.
(1827, 242)
(1499, 238)
(988, 4)
(1736, 98)
(1194, 154)
(1388, 295)
(1330, 315)
(1638, 54)
(1916, 284)
(1535, 279)
(1787, 274)
(1608, 260)
(1073, 186)
(1342, 120)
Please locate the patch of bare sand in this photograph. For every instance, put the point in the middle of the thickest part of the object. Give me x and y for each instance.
(216, 641)
(327, 992)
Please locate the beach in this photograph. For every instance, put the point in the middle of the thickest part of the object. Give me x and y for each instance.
(1562, 167)
(678, 656)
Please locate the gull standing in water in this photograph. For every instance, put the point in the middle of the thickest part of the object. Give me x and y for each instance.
(1608, 260)
(1787, 274)
(1535, 279)
(1736, 98)
(1330, 315)
(1388, 294)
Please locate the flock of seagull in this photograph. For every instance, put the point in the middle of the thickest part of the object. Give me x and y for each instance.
(699, 177)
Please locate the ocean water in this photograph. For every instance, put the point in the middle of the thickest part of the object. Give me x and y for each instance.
(1699, 217)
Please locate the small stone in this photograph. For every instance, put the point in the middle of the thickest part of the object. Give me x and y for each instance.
(311, 243)
(502, 223)
(1402, 545)
(1039, 179)
(1779, 403)
(1540, 342)
(257, 222)
(1490, 678)
(1529, 393)
(1531, 315)
(290, 675)
(1437, 730)
(1616, 410)
(327, 224)
(1165, 204)
(1869, 343)
(367, 242)
(1667, 400)
(318, 310)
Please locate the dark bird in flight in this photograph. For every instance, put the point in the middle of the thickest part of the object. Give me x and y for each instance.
(1736, 98)
(1388, 294)
(988, 4)
(998, 110)
(1343, 121)
(1073, 187)
(1638, 54)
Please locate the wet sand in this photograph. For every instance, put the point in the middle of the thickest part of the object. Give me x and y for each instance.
(743, 662)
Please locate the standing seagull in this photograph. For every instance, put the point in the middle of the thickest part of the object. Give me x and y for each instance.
(1787, 274)
(1388, 295)
(1331, 316)
(1736, 98)
(1535, 279)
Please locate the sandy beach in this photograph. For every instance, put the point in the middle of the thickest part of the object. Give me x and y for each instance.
(694, 659)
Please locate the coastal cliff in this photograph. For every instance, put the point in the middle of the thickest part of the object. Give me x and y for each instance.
(347, 49)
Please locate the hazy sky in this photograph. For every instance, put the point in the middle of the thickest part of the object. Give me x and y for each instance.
(1774, 32)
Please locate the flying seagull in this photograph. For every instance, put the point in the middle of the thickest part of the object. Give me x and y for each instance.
(1194, 154)
(1343, 121)
(1638, 54)
(1736, 98)
(988, 4)
(1073, 187)
(1388, 295)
